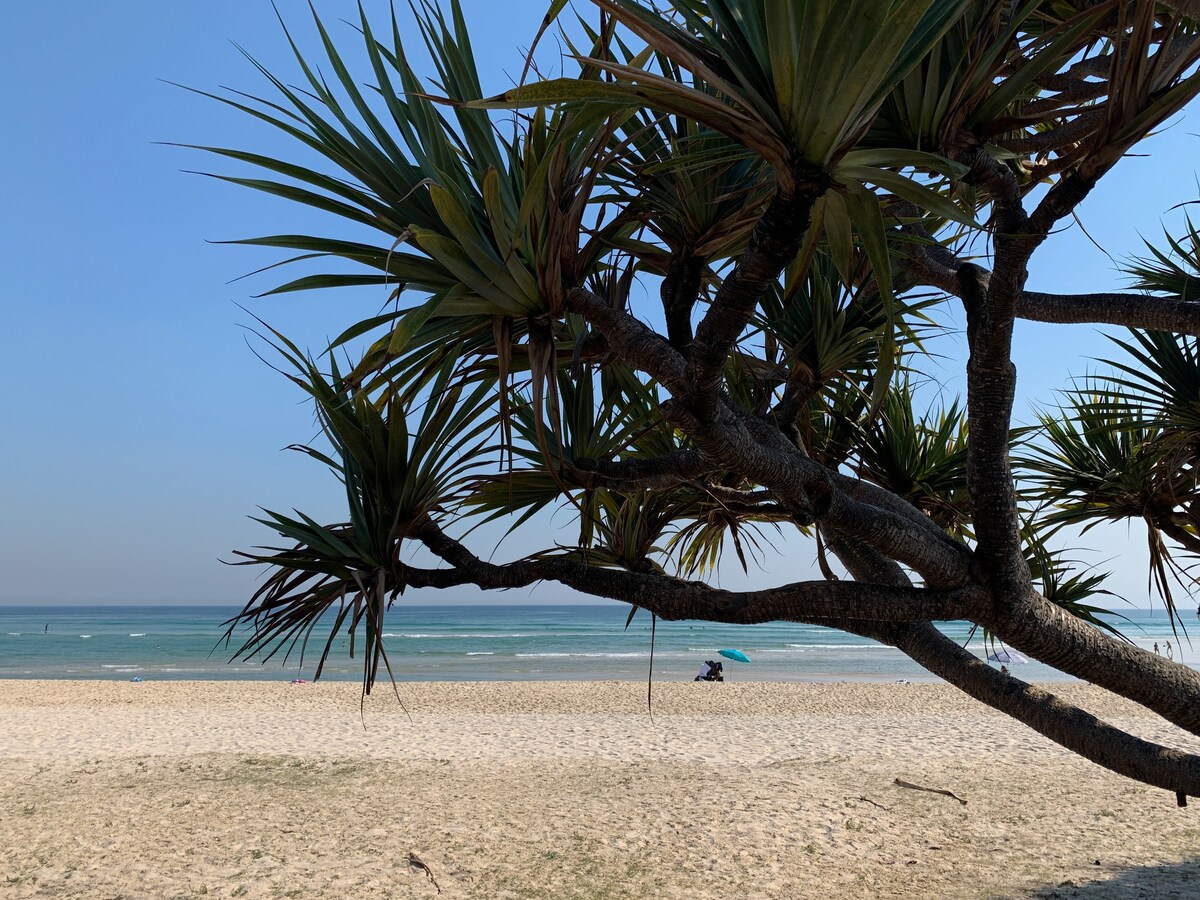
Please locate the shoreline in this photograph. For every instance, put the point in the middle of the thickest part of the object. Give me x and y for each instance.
(557, 678)
(561, 789)
(548, 642)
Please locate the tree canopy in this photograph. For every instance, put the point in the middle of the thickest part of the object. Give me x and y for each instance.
(683, 294)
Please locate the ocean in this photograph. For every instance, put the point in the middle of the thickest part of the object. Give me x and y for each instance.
(483, 643)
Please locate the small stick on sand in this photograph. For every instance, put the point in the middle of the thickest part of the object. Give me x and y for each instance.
(873, 803)
(417, 863)
(917, 787)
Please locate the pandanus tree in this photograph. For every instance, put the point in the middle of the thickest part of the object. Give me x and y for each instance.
(682, 296)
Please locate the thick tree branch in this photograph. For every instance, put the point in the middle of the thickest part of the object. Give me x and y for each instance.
(991, 387)
(809, 491)
(1063, 723)
(935, 266)
(942, 562)
(1048, 633)
(635, 343)
(873, 495)
(680, 288)
(1092, 67)
(865, 565)
(737, 443)
(991, 377)
(670, 598)
(1176, 532)
(648, 474)
(773, 244)
(932, 265)
(1068, 192)
(1130, 310)
(1054, 139)
(1073, 728)
(1069, 93)
(798, 391)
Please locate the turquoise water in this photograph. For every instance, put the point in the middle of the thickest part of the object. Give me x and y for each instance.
(478, 643)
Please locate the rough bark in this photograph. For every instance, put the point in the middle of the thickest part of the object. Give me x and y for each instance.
(1130, 310)
(992, 377)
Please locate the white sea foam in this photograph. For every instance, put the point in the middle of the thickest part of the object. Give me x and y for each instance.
(85, 635)
(839, 647)
(455, 635)
(514, 634)
(138, 634)
(760, 650)
(481, 653)
(586, 655)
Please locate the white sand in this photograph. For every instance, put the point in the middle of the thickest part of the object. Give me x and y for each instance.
(558, 790)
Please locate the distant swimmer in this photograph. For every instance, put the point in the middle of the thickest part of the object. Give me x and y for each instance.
(46, 630)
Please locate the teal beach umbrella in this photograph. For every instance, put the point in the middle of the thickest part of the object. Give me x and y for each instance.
(735, 655)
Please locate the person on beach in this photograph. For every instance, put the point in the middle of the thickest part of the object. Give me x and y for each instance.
(1156, 648)
(710, 671)
(1170, 652)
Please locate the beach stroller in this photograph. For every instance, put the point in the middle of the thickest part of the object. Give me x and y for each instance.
(710, 671)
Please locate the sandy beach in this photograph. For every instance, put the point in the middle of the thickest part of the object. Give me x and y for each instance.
(567, 790)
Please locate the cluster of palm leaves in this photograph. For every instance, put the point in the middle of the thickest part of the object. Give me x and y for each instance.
(1125, 448)
(1173, 271)
(395, 476)
(1125, 445)
(654, 161)
(922, 458)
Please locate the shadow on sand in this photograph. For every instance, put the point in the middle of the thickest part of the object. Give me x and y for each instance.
(1172, 881)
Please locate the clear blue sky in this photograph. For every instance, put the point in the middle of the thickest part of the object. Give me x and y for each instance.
(138, 430)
